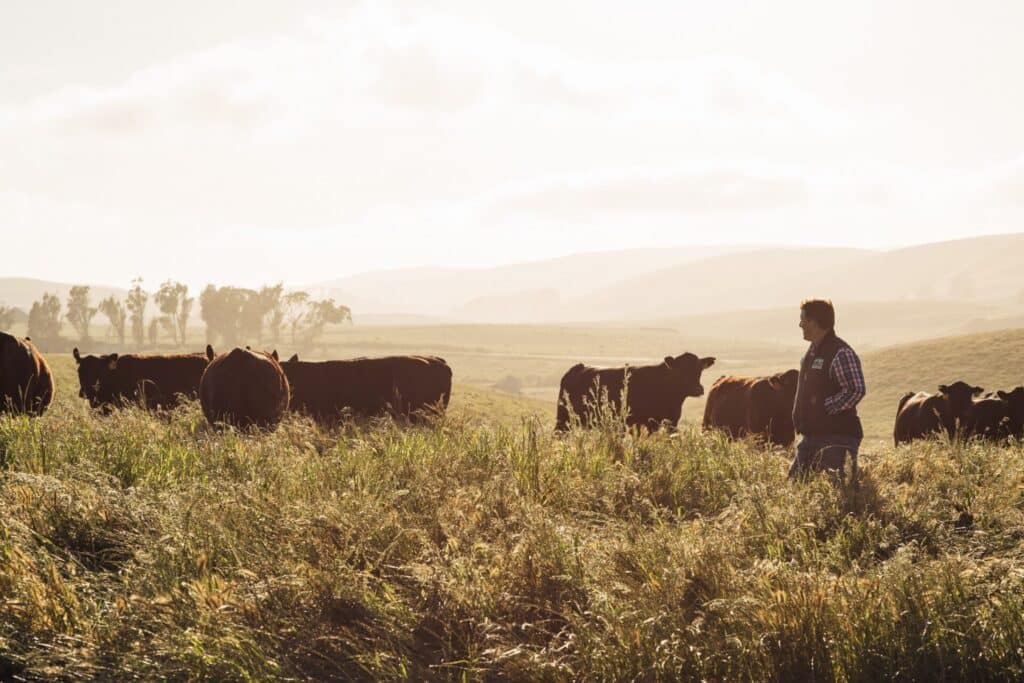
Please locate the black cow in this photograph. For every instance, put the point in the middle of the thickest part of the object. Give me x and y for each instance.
(403, 386)
(921, 414)
(655, 393)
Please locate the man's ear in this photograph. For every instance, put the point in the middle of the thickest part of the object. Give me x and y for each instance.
(112, 362)
(706, 363)
(78, 356)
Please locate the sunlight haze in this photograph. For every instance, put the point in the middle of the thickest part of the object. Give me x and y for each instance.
(253, 142)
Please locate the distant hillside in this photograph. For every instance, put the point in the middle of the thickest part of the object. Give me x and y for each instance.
(21, 291)
(982, 269)
(504, 293)
(752, 279)
(994, 360)
(865, 324)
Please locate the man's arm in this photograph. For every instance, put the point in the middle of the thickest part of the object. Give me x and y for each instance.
(847, 372)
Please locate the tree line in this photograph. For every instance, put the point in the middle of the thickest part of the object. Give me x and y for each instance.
(232, 315)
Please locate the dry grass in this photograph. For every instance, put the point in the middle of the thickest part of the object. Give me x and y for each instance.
(149, 547)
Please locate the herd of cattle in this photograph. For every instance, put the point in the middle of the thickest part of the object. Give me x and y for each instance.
(254, 388)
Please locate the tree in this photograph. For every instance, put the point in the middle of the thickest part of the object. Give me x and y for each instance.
(137, 298)
(173, 300)
(80, 313)
(273, 310)
(308, 317)
(154, 331)
(44, 319)
(294, 305)
(221, 310)
(117, 315)
(6, 317)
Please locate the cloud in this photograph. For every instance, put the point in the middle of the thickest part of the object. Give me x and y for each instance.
(685, 192)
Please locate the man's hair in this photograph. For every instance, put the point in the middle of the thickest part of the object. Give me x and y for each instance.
(820, 311)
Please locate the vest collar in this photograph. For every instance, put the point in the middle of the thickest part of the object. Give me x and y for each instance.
(829, 336)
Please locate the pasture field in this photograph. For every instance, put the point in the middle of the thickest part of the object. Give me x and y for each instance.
(483, 547)
(536, 356)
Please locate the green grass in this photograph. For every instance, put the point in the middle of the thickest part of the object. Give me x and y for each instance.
(484, 547)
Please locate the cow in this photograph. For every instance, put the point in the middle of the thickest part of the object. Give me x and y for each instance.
(996, 415)
(654, 393)
(921, 414)
(1015, 403)
(758, 406)
(244, 388)
(402, 386)
(26, 382)
(154, 381)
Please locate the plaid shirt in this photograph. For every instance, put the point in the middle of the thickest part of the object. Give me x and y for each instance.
(846, 371)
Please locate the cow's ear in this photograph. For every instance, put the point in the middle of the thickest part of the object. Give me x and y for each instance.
(209, 352)
(1002, 394)
(274, 355)
(775, 382)
(976, 390)
(943, 389)
(112, 362)
(248, 348)
(668, 360)
(78, 356)
(707, 362)
(294, 358)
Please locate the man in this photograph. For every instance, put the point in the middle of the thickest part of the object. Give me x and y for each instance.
(831, 384)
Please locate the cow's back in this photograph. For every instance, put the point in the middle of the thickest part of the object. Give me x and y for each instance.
(160, 379)
(727, 404)
(918, 416)
(26, 382)
(401, 385)
(244, 388)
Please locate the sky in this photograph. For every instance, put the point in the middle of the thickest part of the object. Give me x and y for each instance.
(253, 142)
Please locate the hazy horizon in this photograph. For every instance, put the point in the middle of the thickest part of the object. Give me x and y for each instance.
(256, 143)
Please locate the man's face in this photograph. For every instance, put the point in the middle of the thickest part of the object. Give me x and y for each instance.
(812, 330)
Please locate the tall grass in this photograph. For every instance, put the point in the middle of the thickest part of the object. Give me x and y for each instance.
(140, 546)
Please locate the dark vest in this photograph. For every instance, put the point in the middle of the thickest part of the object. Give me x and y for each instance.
(815, 384)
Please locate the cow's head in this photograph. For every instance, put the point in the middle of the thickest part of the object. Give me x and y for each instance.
(786, 381)
(97, 378)
(959, 396)
(685, 371)
(1015, 402)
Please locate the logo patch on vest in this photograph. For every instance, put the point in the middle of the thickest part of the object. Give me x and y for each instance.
(818, 364)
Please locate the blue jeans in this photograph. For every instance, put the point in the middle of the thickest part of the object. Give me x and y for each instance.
(825, 452)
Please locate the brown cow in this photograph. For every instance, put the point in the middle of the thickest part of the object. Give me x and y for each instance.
(655, 393)
(26, 383)
(244, 388)
(997, 415)
(760, 406)
(156, 381)
(403, 386)
(921, 414)
(1015, 401)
